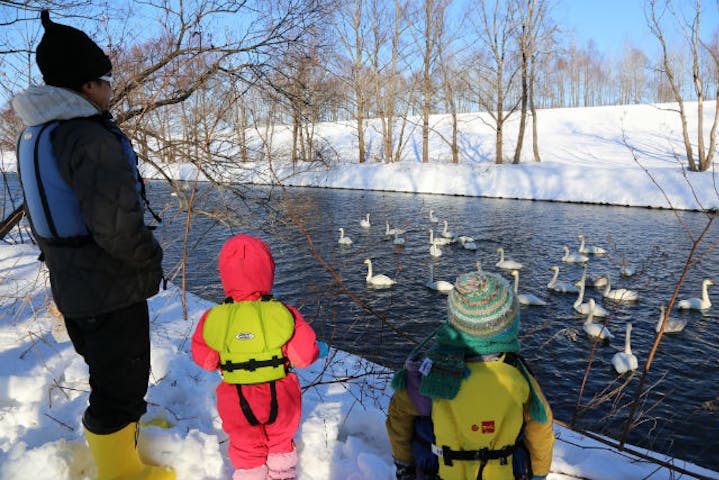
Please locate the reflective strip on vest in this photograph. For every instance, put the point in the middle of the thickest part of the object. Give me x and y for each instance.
(51, 204)
(488, 412)
(251, 330)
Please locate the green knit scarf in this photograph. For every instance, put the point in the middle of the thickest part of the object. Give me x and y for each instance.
(448, 369)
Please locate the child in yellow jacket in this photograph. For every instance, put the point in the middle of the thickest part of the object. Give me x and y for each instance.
(469, 408)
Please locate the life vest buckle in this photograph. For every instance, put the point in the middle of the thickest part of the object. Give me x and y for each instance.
(447, 455)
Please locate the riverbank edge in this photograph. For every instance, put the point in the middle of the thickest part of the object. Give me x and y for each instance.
(663, 187)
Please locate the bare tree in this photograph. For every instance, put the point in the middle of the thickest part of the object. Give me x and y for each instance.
(351, 30)
(386, 69)
(433, 25)
(632, 79)
(450, 76)
(532, 15)
(691, 31)
(496, 27)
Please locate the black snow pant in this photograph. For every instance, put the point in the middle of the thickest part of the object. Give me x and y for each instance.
(116, 348)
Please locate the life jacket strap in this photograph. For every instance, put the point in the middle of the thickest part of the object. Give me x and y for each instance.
(482, 455)
(40, 186)
(253, 364)
(247, 410)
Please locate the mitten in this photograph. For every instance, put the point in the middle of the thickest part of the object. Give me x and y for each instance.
(405, 471)
(323, 349)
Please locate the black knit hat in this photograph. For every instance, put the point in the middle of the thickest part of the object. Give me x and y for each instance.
(67, 57)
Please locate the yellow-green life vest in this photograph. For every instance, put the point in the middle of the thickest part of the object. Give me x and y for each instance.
(487, 413)
(249, 337)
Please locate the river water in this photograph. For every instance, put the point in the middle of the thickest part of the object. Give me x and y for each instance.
(383, 325)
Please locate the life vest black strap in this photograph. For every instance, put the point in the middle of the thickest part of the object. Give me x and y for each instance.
(253, 364)
(274, 407)
(247, 410)
(482, 455)
(264, 298)
(40, 186)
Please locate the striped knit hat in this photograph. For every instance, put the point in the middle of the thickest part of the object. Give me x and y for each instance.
(483, 319)
(484, 311)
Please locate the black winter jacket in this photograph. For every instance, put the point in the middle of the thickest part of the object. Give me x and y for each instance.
(122, 264)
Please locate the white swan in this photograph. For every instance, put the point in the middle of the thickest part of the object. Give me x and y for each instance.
(377, 280)
(437, 240)
(398, 240)
(467, 243)
(619, 294)
(698, 303)
(525, 298)
(432, 218)
(344, 240)
(589, 249)
(626, 361)
(594, 329)
(435, 251)
(560, 286)
(626, 270)
(584, 308)
(673, 325)
(364, 223)
(439, 285)
(573, 257)
(446, 233)
(391, 231)
(507, 264)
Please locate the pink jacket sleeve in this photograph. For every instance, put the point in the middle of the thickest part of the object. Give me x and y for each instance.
(202, 354)
(302, 348)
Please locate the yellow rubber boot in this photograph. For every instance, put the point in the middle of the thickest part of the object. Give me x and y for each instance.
(116, 457)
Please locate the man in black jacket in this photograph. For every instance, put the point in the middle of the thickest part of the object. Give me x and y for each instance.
(83, 197)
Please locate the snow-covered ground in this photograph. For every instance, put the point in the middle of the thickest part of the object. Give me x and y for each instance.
(620, 155)
(43, 382)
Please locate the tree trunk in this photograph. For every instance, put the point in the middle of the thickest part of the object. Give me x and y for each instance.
(535, 137)
(669, 73)
(426, 80)
(359, 81)
(360, 136)
(523, 112)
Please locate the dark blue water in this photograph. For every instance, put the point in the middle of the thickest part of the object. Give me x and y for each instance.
(383, 325)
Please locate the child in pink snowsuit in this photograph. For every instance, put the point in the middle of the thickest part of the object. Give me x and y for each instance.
(254, 340)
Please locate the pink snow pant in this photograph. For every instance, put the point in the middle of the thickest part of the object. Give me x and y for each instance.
(250, 444)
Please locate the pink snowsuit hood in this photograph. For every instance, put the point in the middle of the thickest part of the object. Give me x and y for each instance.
(247, 269)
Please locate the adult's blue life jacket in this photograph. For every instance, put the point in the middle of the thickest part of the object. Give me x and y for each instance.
(51, 204)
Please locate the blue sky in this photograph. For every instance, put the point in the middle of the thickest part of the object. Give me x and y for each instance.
(612, 22)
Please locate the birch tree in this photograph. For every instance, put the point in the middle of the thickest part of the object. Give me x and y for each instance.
(433, 25)
(532, 15)
(386, 48)
(691, 31)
